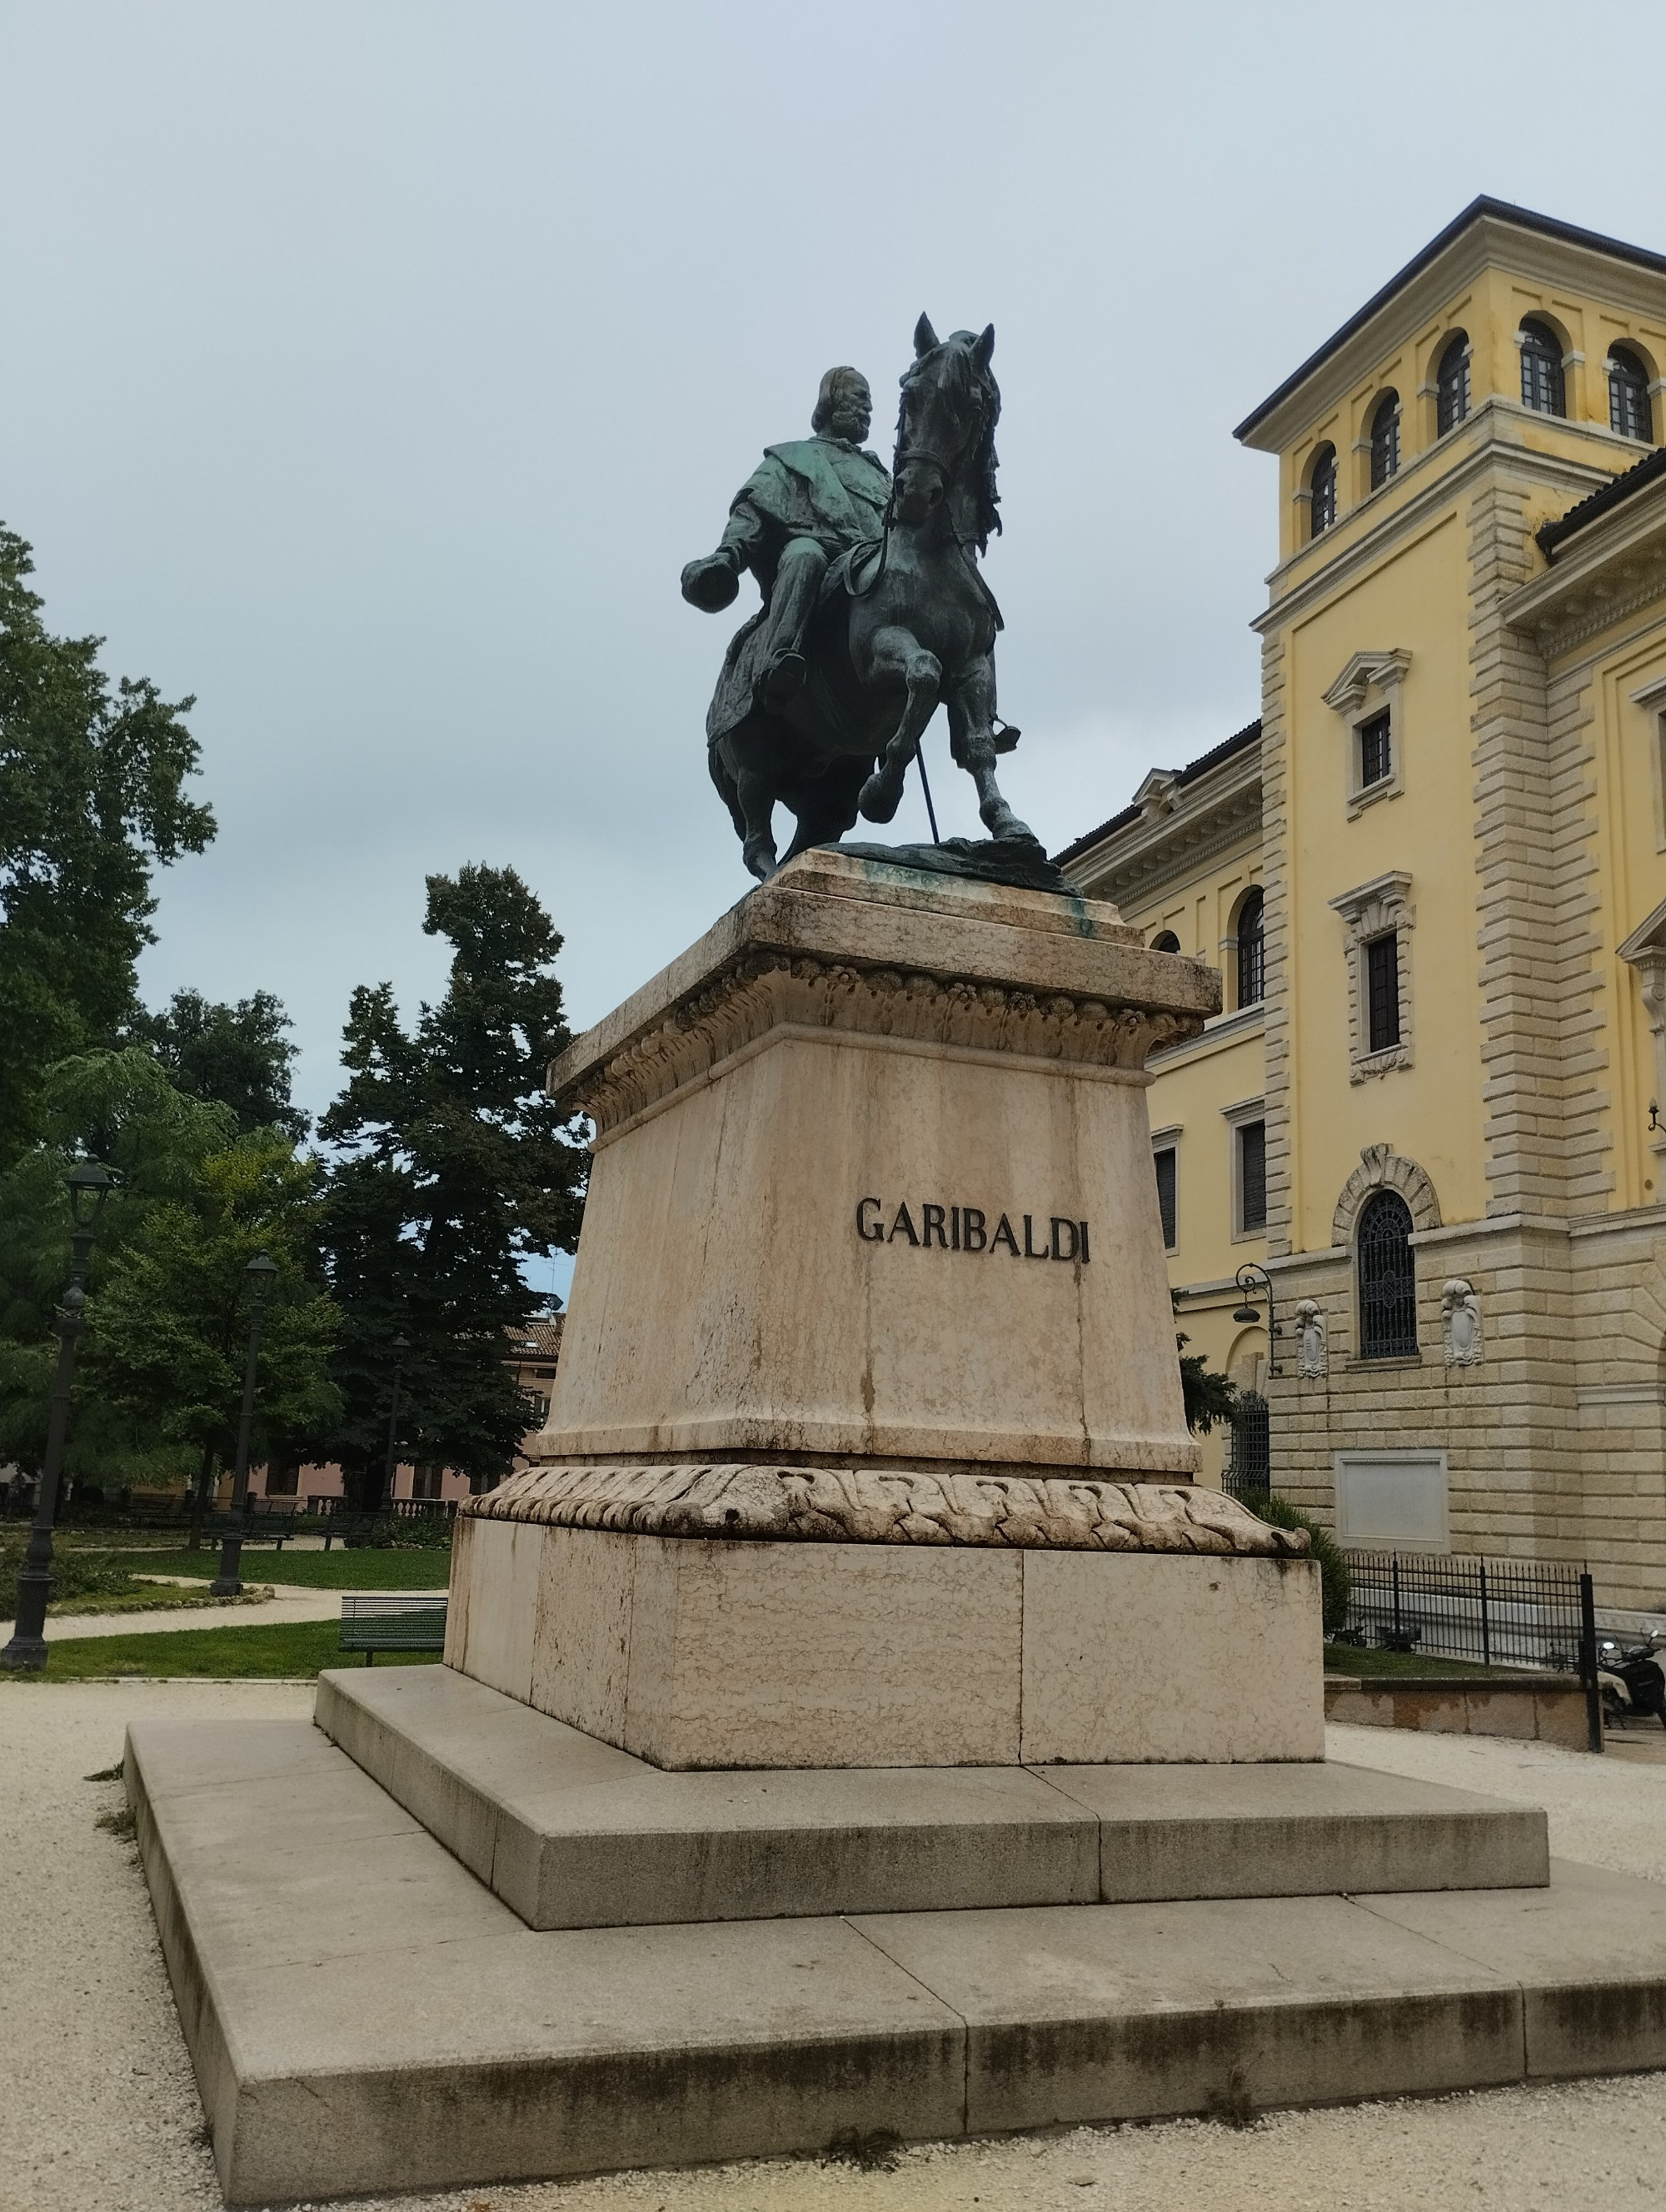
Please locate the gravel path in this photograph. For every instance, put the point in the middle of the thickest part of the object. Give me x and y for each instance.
(289, 1602)
(97, 2113)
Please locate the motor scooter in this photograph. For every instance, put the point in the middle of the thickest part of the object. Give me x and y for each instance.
(1632, 1679)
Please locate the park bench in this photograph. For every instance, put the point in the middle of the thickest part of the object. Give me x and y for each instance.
(383, 1621)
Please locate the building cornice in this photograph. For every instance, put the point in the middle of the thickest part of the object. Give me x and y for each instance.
(1492, 443)
(1488, 234)
(1613, 568)
(1223, 1030)
(1206, 819)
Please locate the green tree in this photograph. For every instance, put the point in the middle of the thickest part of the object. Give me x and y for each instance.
(167, 1333)
(92, 799)
(120, 1108)
(452, 1169)
(1208, 1397)
(238, 1055)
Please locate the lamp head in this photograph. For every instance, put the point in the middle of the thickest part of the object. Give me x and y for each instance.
(89, 1185)
(260, 1271)
(401, 1346)
(1246, 1314)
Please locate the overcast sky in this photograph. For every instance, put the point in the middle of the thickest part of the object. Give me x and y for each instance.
(370, 371)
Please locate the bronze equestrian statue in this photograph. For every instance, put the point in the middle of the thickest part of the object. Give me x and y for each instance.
(873, 613)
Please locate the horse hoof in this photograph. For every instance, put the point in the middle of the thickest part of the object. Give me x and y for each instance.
(760, 859)
(881, 796)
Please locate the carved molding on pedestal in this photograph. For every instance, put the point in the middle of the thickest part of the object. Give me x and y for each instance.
(764, 991)
(869, 1506)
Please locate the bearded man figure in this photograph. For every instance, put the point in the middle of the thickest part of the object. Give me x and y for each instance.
(809, 501)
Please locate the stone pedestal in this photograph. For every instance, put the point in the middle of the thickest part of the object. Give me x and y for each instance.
(867, 1447)
(873, 1179)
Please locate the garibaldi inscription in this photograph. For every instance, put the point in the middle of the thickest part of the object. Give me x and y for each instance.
(966, 1229)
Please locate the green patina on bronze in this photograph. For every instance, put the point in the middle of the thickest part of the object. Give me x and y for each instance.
(873, 613)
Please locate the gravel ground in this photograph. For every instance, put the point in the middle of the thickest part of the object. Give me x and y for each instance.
(98, 2111)
(288, 1602)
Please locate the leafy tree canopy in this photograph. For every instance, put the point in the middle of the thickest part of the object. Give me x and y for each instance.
(167, 1333)
(120, 1108)
(92, 798)
(453, 1167)
(238, 1055)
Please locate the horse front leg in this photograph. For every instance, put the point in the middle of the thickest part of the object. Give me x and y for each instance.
(897, 653)
(756, 795)
(972, 744)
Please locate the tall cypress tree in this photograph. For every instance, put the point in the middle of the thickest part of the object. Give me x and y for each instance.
(451, 1168)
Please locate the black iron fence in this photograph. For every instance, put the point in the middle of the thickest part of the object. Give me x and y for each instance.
(1509, 1613)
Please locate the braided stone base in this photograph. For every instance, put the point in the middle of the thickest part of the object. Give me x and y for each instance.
(868, 1505)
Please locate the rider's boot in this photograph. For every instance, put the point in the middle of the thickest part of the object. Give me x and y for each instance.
(783, 679)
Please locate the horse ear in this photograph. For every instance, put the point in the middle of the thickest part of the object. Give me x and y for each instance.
(925, 337)
(985, 346)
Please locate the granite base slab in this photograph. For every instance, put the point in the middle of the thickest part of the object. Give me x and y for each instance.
(375, 2020)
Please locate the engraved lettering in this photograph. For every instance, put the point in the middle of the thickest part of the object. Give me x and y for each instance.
(1064, 1229)
(971, 1223)
(954, 1229)
(876, 1235)
(1087, 1255)
(931, 1225)
(903, 1226)
(1030, 1251)
(1004, 1235)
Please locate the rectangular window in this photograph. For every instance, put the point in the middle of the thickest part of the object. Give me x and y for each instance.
(1383, 991)
(1252, 1178)
(1374, 758)
(1165, 1195)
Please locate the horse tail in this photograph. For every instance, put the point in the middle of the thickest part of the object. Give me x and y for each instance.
(728, 789)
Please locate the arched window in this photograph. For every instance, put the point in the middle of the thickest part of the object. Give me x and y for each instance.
(1543, 388)
(1452, 384)
(1388, 1279)
(1385, 439)
(1321, 491)
(1629, 409)
(1166, 941)
(1252, 950)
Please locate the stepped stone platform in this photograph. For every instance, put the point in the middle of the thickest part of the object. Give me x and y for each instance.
(364, 2012)
(571, 1832)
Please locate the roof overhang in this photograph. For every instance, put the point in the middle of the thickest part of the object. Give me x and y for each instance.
(1488, 231)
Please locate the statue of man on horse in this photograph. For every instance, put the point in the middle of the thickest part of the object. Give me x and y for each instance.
(873, 614)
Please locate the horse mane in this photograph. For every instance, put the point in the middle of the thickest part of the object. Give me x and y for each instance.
(978, 482)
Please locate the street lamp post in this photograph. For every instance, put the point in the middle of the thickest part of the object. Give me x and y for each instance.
(1256, 1281)
(401, 1346)
(228, 1581)
(89, 1186)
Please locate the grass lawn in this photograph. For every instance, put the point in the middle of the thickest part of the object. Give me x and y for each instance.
(1357, 1659)
(297, 1649)
(415, 1570)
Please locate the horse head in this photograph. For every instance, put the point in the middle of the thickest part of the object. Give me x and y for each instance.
(945, 433)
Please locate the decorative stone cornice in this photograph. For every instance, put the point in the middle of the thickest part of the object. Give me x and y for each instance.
(1610, 570)
(766, 991)
(867, 1505)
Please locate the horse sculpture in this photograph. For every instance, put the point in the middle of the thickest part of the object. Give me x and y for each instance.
(905, 623)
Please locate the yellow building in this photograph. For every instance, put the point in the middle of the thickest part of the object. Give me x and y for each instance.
(1434, 874)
